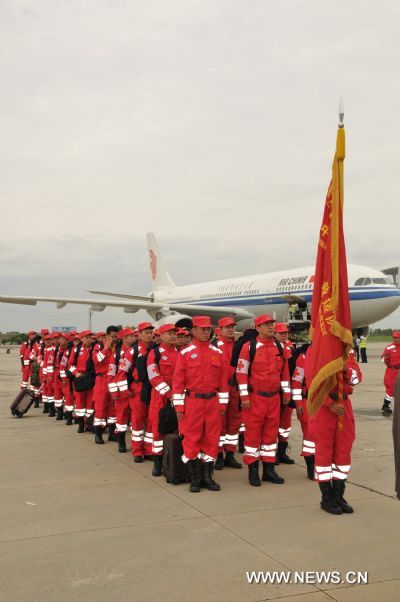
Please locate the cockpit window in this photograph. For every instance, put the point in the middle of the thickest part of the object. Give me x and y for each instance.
(359, 282)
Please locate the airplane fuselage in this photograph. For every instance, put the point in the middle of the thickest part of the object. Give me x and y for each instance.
(372, 295)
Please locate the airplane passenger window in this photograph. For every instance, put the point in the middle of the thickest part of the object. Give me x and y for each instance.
(381, 280)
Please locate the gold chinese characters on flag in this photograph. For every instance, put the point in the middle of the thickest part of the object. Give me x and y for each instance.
(330, 313)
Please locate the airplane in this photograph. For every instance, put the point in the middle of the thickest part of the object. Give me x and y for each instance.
(373, 296)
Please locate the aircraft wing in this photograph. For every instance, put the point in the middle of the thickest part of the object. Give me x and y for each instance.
(132, 306)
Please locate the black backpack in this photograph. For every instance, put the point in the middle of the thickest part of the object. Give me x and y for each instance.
(87, 380)
(140, 362)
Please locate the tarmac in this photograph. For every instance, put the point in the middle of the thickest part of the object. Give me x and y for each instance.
(82, 522)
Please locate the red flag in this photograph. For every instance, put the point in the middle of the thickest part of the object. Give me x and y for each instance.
(330, 314)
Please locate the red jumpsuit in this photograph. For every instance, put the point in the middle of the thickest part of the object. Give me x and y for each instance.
(285, 421)
(65, 382)
(104, 408)
(83, 399)
(333, 445)
(232, 420)
(299, 396)
(269, 373)
(24, 354)
(58, 391)
(391, 357)
(160, 376)
(142, 436)
(48, 374)
(121, 407)
(200, 391)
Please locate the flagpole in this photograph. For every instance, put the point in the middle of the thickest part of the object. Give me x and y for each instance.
(340, 152)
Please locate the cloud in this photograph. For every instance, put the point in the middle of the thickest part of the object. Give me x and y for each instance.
(210, 123)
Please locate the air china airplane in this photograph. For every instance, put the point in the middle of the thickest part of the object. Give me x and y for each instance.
(372, 295)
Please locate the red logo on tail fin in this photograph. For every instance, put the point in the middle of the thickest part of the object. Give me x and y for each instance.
(153, 264)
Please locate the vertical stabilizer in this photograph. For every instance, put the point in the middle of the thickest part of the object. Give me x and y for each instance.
(158, 271)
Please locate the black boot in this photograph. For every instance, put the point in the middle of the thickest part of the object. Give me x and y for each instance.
(148, 457)
(219, 462)
(98, 435)
(157, 466)
(310, 461)
(328, 501)
(37, 401)
(282, 455)
(207, 481)
(121, 443)
(269, 474)
(68, 420)
(338, 486)
(386, 409)
(194, 468)
(52, 409)
(60, 413)
(45, 407)
(138, 459)
(111, 429)
(81, 424)
(241, 443)
(254, 477)
(89, 423)
(231, 461)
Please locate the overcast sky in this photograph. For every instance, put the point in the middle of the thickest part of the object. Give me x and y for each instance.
(210, 122)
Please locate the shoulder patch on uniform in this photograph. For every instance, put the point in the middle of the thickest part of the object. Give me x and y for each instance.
(220, 343)
(215, 348)
(161, 349)
(187, 349)
(390, 346)
(258, 345)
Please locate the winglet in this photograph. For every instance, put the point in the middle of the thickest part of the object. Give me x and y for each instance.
(159, 273)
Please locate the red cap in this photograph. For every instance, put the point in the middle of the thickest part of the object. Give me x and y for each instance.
(85, 333)
(281, 327)
(396, 334)
(144, 325)
(182, 331)
(47, 337)
(217, 330)
(263, 319)
(202, 321)
(125, 332)
(100, 334)
(166, 328)
(31, 332)
(156, 332)
(226, 322)
(136, 332)
(44, 331)
(55, 334)
(66, 335)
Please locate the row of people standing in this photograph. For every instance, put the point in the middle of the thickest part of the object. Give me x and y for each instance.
(214, 396)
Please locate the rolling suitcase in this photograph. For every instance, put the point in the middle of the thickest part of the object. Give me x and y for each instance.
(22, 403)
(174, 470)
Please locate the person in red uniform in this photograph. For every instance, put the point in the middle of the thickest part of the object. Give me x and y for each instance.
(161, 363)
(334, 440)
(60, 350)
(299, 396)
(142, 437)
(27, 355)
(104, 408)
(181, 338)
(80, 364)
(391, 358)
(285, 421)
(260, 383)
(66, 384)
(200, 397)
(232, 420)
(123, 400)
(48, 372)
